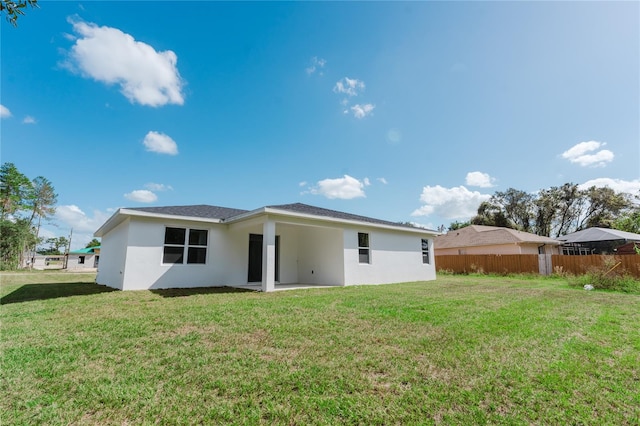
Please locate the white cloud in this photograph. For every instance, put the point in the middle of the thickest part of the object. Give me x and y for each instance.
(45, 234)
(382, 180)
(158, 187)
(316, 65)
(450, 203)
(72, 217)
(579, 154)
(349, 86)
(366, 181)
(344, 188)
(29, 120)
(361, 111)
(4, 112)
(111, 56)
(160, 143)
(483, 180)
(618, 185)
(141, 196)
(303, 183)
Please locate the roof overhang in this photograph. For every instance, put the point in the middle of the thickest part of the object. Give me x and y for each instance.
(122, 214)
(270, 211)
(543, 243)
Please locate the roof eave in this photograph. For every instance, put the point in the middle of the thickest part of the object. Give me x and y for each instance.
(142, 213)
(111, 223)
(288, 213)
(550, 243)
(122, 213)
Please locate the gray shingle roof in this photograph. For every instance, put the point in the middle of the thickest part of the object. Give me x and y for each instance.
(599, 234)
(201, 211)
(319, 211)
(225, 213)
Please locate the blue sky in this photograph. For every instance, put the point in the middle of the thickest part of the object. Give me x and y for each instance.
(413, 111)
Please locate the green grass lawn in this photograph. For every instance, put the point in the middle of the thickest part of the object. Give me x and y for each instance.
(459, 350)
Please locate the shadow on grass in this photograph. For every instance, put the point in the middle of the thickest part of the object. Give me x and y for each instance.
(185, 292)
(30, 292)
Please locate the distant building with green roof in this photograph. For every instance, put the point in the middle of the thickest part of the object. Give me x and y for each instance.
(86, 258)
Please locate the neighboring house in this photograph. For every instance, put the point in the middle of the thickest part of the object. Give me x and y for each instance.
(209, 246)
(86, 258)
(629, 248)
(599, 241)
(479, 239)
(47, 261)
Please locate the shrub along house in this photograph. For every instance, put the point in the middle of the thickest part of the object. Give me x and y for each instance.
(210, 246)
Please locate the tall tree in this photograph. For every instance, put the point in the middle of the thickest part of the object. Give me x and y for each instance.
(41, 201)
(14, 235)
(23, 205)
(568, 203)
(458, 225)
(93, 243)
(517, 207)
(14, 8)
(56, 243)
(14, 190)
(555, 211)
(603, 206)
(490, 214)
(629, 222)
(544, 212)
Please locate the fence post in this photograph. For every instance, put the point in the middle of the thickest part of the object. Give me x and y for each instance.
(544, 264)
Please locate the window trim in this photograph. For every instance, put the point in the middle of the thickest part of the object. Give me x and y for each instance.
(173, 245)
(425, 252)
(204, 246)
(363, 248)
(186, 246)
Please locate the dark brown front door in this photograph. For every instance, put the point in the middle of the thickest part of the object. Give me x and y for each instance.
(255, 258)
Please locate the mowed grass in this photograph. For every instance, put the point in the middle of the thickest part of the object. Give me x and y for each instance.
(459, 350)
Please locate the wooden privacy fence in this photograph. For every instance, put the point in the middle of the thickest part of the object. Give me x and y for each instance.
(489, 263)
(580, 264)
(535, 264)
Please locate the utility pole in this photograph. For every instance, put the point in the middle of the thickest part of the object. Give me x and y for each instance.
(66, 254)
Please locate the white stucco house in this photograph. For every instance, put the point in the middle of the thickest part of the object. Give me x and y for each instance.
(210, 246)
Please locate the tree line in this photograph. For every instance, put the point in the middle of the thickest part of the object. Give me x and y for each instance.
(559, 210)
(24, 205)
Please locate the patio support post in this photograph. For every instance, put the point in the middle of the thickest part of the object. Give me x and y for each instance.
(268, 255)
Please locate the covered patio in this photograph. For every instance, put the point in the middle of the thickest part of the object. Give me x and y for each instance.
(284, 253)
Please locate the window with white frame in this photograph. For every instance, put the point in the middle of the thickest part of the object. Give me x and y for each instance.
(425, 251)
(363, 248)
(197, 249)
(177, 245)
